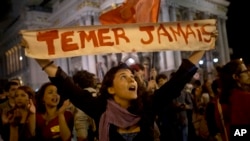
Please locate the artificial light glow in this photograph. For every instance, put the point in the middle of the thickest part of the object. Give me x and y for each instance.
(201, 62)
(131, 61)
(21, 58)
(215, 60)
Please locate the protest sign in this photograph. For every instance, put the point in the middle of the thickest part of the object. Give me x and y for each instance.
(119, 38)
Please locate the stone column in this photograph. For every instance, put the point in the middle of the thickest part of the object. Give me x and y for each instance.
(190, 13)
(208, 55)
(220, 45)
(225, 40)
(84, 58)
(96, 19)
(169, 54)
(177, 54)
(89, 61)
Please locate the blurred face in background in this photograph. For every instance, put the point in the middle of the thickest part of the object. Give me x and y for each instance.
(243, 77)
(12, 91)
(2, 94)
(98, 87)
(140, 74)
(51, 97)
(161, 82)
(21, 98)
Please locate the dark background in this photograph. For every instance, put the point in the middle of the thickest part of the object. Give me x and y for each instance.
(238, 29)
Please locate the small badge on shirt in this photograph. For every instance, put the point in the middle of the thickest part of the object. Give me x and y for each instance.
(55, 129)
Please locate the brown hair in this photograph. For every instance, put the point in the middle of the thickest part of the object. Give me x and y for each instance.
(28, 90)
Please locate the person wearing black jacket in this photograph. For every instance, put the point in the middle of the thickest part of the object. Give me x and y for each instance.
(124, 111)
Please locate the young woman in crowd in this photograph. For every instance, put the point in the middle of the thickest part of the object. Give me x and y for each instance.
(122, 111)
(19, 122)
(53, 122)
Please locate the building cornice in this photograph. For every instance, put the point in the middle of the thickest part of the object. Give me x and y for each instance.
(208, 6)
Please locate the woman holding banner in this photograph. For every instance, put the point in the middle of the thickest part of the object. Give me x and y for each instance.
(124, 111)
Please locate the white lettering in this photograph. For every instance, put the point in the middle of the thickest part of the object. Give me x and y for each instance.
(240, 132)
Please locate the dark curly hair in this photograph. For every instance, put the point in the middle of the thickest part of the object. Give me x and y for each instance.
(137, 104)
(39, 98)
(161, 76)
(84, 79)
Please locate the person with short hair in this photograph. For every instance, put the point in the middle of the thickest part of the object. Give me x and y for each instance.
(235, 94)
(19, 122)
(84, 125)
(9, 89)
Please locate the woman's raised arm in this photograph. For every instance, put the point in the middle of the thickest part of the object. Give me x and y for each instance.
(48, 66)
(196, 56)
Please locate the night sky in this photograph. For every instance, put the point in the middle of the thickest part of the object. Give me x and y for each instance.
(238, 29)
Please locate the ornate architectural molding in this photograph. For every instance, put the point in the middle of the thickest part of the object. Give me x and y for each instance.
(72, 10)
(211, 6)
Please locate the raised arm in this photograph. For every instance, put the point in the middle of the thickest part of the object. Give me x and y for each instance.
(69, 90)
(196, 56)
(47, 66)
(174, 86)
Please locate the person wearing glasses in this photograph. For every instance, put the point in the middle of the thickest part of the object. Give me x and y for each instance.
(235, 94)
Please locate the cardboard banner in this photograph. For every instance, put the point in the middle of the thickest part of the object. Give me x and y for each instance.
(138, 37)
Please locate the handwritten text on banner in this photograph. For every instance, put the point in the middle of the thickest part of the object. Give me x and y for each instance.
(139, 37)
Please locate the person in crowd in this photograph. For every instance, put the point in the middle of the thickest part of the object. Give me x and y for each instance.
(199, 104)
(139, 71)
(207, 91)
(53, 121)
(98, 87)
(84, 125)
(151, 83)
(189, 111)
(19, 122)
(86, 80)
(214, 115)
(235, 94)
(3, 96)
(161, 79)
(120, 111)
(168, 122)
(10, 89)
(17, 80)
(182, 104)
(177, 111)
(198, 117)
(197, 83)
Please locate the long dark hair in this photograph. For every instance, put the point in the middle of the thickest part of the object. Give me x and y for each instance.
(39, 98)
(137, 104)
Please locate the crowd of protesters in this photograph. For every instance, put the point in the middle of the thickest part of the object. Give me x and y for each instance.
(127, 107)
